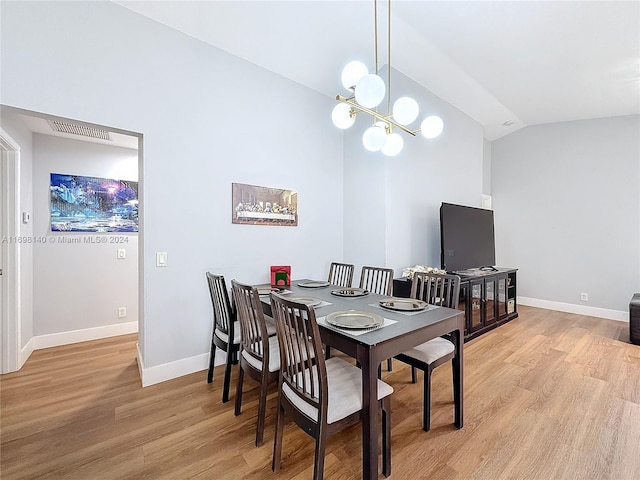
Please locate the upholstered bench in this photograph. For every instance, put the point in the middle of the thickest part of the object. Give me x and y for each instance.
(634, 319)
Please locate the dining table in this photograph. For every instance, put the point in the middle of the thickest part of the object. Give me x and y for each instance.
(400, 331)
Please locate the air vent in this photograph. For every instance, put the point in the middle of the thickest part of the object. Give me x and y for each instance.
(80, 130)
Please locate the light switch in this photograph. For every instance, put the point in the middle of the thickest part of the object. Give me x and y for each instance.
(161, 259)
(122, 253)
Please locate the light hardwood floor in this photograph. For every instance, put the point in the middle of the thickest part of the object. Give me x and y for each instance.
(547, 396)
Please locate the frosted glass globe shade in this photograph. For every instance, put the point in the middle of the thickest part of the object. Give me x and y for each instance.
(405, 110)
(374, 138)
(370, 91)
(393, 146)
(432, 126)
(341, 116)
(352, 73)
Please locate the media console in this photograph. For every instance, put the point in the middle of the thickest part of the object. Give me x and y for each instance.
(487, 297)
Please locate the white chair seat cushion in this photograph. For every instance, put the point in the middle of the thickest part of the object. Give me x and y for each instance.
(344, 388)
(236, 334)
(274, 356)
(432, 350)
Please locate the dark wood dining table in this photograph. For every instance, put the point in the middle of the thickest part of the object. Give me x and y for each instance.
(375, 346)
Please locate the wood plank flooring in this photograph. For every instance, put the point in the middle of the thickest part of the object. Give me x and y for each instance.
(548, 396)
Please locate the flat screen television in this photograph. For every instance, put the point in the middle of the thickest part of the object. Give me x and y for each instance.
(466, 238)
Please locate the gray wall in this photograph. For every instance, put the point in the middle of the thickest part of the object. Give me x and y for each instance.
(208, 119)
(80, 285)
(392, 203)
(567, 210)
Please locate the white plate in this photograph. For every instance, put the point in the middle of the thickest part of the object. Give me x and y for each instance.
(354, 319)
(314, 284)
(268, 290)
(311, 302)
(350, 292)
(403, 304)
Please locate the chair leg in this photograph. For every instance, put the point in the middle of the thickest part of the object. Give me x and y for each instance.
(227, 378)
(212, 360)
(262, 411)
(318, 464)
(238, 408)
(386, 436)
(426, 407)
(277, 439)
(414, 376)
(389, 364)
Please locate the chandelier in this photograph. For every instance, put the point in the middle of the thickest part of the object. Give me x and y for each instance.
(367, 90)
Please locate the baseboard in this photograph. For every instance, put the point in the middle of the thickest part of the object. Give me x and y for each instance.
(84, 335)
(169, 371)
(26, 352)
(572, 308)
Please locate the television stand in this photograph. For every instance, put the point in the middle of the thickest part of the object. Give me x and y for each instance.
(487, 297)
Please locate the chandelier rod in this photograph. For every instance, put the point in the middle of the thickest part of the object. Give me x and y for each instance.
(375, 32)
(389, 59)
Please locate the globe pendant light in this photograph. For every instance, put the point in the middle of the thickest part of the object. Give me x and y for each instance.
(342, 117)
(374, 138)
(368, 91)
(352, 73)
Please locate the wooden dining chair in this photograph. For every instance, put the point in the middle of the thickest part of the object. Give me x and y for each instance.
(378, 280)
(341, 274)
(322, 396)
(444, 291)
(226, 332)
(260, 355)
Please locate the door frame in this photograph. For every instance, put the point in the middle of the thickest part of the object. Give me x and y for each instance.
(11, 295)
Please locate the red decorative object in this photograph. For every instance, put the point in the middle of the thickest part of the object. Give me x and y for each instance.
(281, 276)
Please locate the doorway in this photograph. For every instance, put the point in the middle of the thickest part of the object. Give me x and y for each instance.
(23, 332)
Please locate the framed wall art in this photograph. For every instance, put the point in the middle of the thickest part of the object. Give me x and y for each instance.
(92, 204)
(253, 205)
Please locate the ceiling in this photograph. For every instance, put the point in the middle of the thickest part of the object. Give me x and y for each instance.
(506, 64)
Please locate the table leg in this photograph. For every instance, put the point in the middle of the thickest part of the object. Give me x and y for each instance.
(458, 378)
(369, 413)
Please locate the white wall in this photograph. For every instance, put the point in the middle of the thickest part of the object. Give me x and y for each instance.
(80, 286)
(567, 207)
(208, 119)
(15, 127)
(392, 203)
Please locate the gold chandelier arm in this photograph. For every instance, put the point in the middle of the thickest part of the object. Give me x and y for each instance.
(385, 118)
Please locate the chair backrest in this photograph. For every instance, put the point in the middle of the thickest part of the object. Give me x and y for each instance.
(341, 274)
(223, 313)
(436, 289)
(377, 280)
(253, 327)
(303, 372)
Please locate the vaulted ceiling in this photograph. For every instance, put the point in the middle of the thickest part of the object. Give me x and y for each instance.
(506, 64)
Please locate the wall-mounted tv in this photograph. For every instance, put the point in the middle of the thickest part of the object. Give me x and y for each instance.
(466, 238)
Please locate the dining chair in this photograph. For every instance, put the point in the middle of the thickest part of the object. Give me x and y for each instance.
(226, 332)
(259, 355)
(341, 274)
(322, 397)
(378, 280)
(444, 291)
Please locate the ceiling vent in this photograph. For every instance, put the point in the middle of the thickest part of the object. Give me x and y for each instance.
(81, 130)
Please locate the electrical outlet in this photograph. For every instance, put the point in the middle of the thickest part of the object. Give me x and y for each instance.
(122, 312)
(584, 297)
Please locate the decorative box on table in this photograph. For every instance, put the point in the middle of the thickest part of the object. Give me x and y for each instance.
(281, 276)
